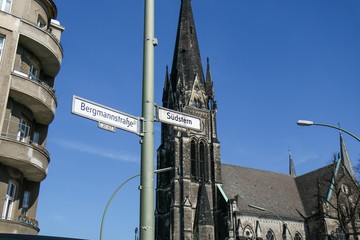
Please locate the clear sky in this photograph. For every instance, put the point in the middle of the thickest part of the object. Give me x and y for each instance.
(273, 62)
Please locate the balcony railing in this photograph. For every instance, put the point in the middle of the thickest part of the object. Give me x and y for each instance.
(23, 219)
(22, 135)
(46, 30)
(38, 81)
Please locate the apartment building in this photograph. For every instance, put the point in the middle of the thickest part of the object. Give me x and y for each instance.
(30, 59)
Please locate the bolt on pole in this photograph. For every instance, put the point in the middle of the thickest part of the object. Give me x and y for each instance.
(147, 219)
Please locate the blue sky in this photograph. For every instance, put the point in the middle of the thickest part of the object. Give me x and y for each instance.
(272, 63)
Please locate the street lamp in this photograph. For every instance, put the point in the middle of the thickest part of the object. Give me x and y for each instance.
(311, 123)
(276, 215)
(117, 190)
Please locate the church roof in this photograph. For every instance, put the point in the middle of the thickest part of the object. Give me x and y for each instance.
(314, 187)
(288, 196)
(272, 191)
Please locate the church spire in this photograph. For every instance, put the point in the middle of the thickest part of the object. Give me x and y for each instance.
(187, 72)
(166, 88)
(291, 166)
(209, 87)
(344, 157)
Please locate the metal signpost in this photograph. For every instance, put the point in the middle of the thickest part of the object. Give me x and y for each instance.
(109, 119)
(147, 219)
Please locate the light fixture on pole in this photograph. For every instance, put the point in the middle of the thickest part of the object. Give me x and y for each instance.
(311, 123)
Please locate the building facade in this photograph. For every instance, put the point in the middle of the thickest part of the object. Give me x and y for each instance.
(30, 59)
(205, 199)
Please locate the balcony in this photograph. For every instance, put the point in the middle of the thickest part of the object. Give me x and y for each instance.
(44, 44)
(34, 94)
(22, 224)
(20, 153)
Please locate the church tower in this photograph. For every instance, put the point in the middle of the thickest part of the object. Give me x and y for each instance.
(186, 198)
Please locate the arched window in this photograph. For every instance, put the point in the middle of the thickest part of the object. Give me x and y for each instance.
(198, 158)
(248, 232)
(193, 159)
(297, 236)
(270, 235)
(202, 161)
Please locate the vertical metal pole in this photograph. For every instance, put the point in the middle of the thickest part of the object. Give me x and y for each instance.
(147, 219)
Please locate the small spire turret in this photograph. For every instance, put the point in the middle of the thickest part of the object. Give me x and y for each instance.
(291, 166)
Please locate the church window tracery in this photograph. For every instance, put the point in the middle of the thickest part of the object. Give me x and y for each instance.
(193, 159)
(199, 166)
(202, 160)
(270, 235)
(297, 236)
(248, 232)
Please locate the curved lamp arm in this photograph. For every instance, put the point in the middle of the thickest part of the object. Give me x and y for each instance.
(110, 200)
(118, 188)
(310, 123)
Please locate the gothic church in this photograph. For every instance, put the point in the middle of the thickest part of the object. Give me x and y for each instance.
(205, 199)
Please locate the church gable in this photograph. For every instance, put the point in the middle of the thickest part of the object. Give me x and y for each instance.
(342, 206)
(198, 98)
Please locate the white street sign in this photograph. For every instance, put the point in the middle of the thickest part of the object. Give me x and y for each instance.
(105, 115)
(178, 118)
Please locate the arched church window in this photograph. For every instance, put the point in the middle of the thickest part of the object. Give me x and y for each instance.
(270, 235)
(345, 189)
(202, 161)
(297, 236)
(248, 232)
(193, 158)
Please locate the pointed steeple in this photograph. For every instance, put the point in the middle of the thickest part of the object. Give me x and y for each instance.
(165, 95)
(291, 166)
(344, 157)
(186, 66)
(209, 87)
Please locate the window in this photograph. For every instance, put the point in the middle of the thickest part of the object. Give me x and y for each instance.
(340, 234)
(202, 161)
(2, 40)
(199, 166)
(345, 189)
(41, 22)
(9, 200)
(36, 137)
(270, 235)
(34, 72)
(193, 159)
(5, 5)
(248, 232)
(25, 203)
(23, 131)
(297, 236)
(28, 64)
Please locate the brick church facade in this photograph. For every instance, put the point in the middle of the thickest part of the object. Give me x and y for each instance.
(205, 199)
